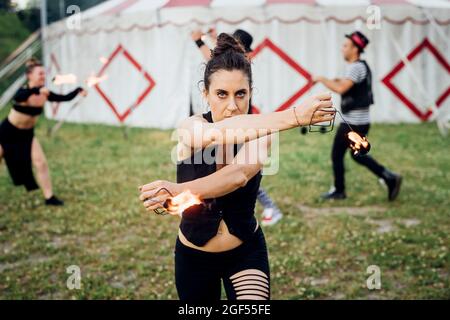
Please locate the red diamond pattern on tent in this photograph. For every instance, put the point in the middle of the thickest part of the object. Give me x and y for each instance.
(266, 43)
(151, 83)
(387, 80)
(121, 6)
(185, 3)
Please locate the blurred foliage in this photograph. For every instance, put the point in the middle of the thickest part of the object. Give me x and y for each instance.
(12, 33)
(17, 25)
(56, 10)
(5, 5)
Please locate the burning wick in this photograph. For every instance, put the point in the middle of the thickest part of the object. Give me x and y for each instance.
(70, 78)
(92, 80)
(61, 79)
(178, 204)
(181, 202)
(359, 145)
(103, 60)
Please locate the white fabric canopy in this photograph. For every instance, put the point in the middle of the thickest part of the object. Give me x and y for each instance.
(153, 67)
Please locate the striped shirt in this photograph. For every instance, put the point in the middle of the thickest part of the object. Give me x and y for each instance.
(357, 73)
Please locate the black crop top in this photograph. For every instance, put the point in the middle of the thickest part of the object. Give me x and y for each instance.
(200, 223)
(25, 92)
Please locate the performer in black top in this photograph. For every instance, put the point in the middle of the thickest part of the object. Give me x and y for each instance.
(271, 213)
(18, 145)
(220, 239)
(356, 91)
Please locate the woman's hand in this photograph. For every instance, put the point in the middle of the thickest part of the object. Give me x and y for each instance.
(38, 100)
(196, 35)
(44, 91)
(316, 79)
(315, 109)
(212, 32)
(154, 194)
(83, 93)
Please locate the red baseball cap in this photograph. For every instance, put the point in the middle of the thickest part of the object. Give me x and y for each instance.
(358, 40)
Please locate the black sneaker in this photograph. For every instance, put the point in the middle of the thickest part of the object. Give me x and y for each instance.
(333, 195)
(54, 201)
(393, 182)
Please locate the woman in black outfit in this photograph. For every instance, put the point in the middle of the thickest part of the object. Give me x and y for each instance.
(18, 145)
(221, 239)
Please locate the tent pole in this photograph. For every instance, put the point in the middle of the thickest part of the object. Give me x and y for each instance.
(435, 26)
(44, 29)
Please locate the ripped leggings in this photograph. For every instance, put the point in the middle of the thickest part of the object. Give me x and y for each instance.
(244, 271)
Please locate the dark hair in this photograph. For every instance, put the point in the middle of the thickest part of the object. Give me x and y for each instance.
(31, 64)
(229, 54)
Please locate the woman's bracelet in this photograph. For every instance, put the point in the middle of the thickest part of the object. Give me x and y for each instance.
(199, 43)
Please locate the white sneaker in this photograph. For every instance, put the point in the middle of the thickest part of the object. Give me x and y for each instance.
(271, 217)
(382, 182)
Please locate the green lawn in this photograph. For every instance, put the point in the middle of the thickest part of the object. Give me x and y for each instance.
(318, 251)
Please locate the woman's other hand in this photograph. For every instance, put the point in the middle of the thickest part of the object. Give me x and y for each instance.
(315, 109)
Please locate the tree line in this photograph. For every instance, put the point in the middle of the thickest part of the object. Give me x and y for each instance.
(56, 10)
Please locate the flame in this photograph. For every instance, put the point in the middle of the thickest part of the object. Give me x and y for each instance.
(103, 60)
(92, 80)
(61, 79)
(357, 143)
(181, 202)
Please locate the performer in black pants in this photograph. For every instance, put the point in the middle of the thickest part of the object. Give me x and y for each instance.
(220, 239)
(356, 91)
(18, 145)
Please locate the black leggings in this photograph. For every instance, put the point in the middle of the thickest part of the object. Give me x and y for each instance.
(17, 144)
(244, 271)
(340, 146)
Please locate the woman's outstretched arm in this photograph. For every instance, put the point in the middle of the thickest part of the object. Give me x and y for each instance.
(224, 181)
(197, 133)
(54, 97)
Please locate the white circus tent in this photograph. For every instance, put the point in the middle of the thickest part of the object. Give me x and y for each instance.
(153, 68)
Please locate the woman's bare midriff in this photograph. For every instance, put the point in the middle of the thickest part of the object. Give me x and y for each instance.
(22, 121)
(222, 241)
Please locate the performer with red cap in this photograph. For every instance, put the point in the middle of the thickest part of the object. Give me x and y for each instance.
(356, 91)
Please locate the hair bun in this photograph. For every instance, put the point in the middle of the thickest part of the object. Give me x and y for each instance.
(226, 43)
(32, 62)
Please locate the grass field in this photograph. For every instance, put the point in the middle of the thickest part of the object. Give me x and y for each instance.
(318, 251)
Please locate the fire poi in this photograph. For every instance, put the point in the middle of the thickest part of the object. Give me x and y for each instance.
(176, 205)
(62, 79)
(92, 80)
(359, 144)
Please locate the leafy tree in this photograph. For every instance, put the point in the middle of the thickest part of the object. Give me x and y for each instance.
(5, 5)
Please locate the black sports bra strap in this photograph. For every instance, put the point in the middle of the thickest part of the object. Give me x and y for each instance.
(31, 111)
(208, 117)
